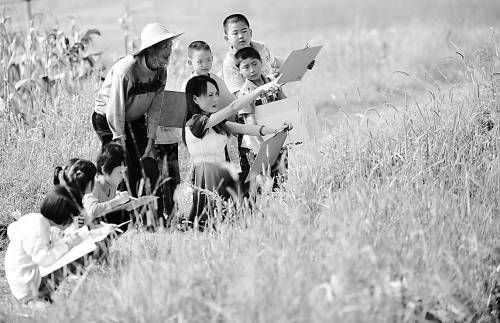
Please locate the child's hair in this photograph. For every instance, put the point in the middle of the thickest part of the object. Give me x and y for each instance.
(198, 45)
(244, 53)
(111, 156)
(58, 171)
(234, 18)
(59, 207)
(76, 177)
(197, 86)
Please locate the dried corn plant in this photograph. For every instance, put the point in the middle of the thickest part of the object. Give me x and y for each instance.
(40, 62)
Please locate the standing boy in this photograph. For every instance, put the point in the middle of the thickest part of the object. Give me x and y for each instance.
(249, 63)
(200, 59)
(238, 35)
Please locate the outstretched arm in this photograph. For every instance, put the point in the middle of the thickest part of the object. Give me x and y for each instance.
(254, 129)
(239, 104)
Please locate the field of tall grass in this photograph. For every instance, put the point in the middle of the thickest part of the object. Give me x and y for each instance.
(390, 215)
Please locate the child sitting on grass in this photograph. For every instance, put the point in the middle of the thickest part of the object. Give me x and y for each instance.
(249, 64)
(206, 134)
(30, 246)
(77, 177)
(104, 196)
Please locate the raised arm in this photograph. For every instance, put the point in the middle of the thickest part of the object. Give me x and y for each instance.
(239, 104)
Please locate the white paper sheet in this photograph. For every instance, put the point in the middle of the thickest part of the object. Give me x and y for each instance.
(85, 247)
(287, 110)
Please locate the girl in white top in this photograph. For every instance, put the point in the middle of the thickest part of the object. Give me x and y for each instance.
(31, 246)
(206, 135)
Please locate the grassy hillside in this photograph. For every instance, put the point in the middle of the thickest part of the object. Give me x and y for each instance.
(390, 215)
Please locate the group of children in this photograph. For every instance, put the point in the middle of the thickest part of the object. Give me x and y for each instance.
(85, 193)
(218, 108)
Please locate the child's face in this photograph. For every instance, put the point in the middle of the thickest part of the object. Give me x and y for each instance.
(208, 102)
(201, 61)
(116, 176)
(251, 68)
(238, 35)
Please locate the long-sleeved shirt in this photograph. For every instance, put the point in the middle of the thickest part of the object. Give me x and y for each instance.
(234, 80)
(127, 93)
(98, 202)
(30, 247)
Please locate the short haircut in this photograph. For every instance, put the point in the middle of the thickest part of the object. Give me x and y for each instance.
(198, 45)
(247, 52)
(234, 18)
(59, 206)
(111, 156)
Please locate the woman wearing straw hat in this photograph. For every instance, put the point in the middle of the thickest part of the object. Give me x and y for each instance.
(125, 100)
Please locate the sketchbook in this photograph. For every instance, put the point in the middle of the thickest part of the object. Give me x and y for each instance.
(88, 245)
(295, 66)
(274, 114)
(267, 155)
(132, 204)
(85, 247)
(135, 203)
(173, 108)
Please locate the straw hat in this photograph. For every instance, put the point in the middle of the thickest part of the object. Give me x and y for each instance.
(153, 34)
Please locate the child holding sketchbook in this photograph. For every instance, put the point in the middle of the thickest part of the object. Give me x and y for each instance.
(206, 133)
(103, 196)
(249, 63)
(31, 246)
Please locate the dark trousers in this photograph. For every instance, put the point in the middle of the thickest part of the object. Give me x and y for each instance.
(167, 157)
(136, 140)
(246, 160)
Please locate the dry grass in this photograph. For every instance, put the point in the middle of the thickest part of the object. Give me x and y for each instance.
(391, 216)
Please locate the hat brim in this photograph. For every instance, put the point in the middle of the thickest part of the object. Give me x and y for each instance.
(167, 37)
